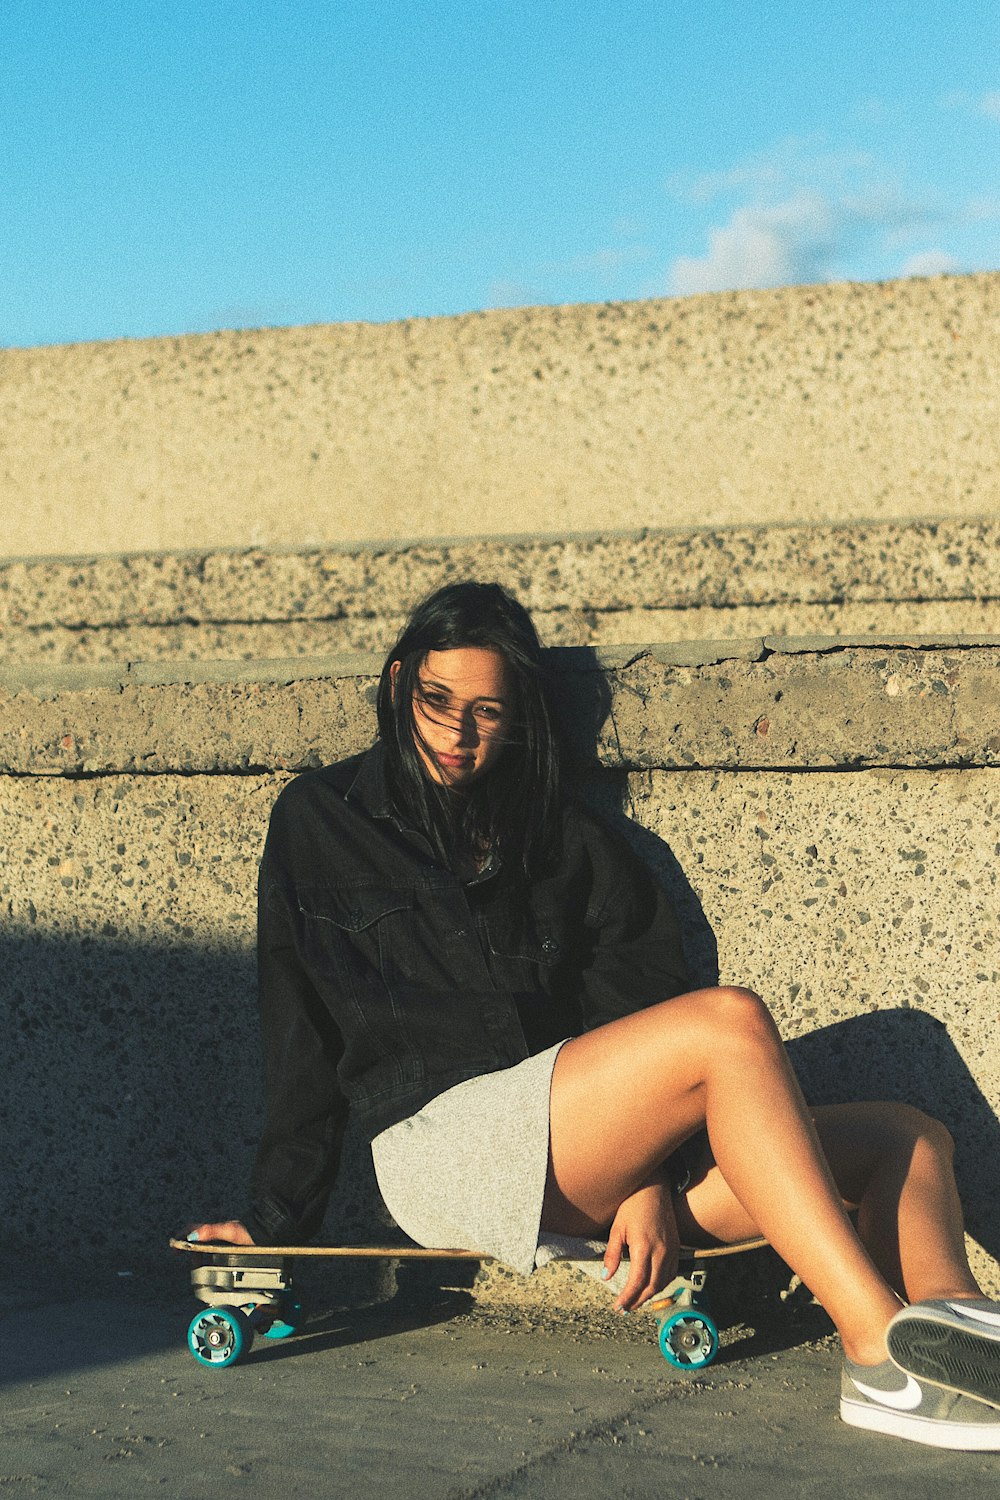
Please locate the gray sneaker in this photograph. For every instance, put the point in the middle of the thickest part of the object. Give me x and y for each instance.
(883, 1398)
(953, 1343)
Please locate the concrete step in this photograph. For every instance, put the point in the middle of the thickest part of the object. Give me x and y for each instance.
(846, 401)
(602, 588)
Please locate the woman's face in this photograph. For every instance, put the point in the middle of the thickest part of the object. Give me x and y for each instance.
(462, 711)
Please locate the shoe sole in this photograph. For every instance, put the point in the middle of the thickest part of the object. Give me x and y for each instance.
(964, 1437)
(956, 1359)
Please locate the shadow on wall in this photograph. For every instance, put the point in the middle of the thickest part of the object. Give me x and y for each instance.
(583, 706)
(135, 1102)
(135, 1097)
(609, 797)
(132, 1105)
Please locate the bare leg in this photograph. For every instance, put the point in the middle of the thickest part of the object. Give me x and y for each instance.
(896, 1163)
(628, 1094)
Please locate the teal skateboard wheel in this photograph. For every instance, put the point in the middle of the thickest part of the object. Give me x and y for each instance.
(219, 1336)
(688, 1339)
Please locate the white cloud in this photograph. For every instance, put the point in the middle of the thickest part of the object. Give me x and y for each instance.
(609, 259)
(808, 213)
(885, 206)
(786, 243)
(504, 293)
(987, 104)
(929, 263)
(874, 111)
(709, 185)
(981, 210)
(806, 161)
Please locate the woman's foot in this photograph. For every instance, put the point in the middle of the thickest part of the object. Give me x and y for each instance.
(952, 1343)
(883, 1398)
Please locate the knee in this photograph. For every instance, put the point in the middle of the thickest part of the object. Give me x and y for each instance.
(741, 1014)
(921, 1131)
(936, 1135)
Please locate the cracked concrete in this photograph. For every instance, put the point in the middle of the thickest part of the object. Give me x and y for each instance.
(603, 589)
(766, 703)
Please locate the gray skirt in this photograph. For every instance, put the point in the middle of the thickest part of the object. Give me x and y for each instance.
(468, 1170)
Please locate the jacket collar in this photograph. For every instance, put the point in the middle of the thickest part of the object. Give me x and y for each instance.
(369, 787)
(370, 790)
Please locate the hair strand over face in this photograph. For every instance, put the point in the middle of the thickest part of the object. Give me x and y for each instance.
(513, 808)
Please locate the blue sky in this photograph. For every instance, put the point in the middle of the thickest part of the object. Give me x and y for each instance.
(177, 166)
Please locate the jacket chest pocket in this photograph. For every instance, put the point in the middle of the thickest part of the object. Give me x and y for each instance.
(527, 946)
(358, 931)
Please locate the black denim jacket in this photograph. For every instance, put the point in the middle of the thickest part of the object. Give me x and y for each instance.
(384, 979)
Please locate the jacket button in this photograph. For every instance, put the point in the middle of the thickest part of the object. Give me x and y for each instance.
(550, 946)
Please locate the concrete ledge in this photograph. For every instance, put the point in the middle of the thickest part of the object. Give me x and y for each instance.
(608, 588)
(677, 568)
(768, 703)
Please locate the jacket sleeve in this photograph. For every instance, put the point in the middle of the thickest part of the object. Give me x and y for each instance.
(636, 958)
(305, 1110)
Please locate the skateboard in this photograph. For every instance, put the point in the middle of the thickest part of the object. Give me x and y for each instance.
(248, 1289)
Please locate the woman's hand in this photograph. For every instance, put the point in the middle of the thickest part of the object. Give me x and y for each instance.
(232, 1232)
(645, 1224)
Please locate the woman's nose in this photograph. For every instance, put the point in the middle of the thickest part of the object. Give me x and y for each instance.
(466, 729)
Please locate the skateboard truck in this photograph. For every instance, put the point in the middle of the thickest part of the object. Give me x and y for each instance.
(242, 1296)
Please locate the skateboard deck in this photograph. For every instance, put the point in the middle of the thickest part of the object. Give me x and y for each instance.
(248, 1289)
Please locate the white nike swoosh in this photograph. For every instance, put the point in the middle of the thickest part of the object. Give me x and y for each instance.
(975, 1314)
(904, 1400)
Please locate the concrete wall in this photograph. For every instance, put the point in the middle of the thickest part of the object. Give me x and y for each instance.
(826, 814)
(892, 578)
(857, 401)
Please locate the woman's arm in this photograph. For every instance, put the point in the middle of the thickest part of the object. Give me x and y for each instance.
(305, 1110)
(636, 957)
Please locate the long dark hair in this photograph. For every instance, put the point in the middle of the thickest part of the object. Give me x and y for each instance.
(513, 808)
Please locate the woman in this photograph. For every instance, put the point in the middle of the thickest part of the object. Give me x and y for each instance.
(471, 961)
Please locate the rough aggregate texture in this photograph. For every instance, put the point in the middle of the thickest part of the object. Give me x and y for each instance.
(868, 400)
(767, 786)
(811, 702)
(607, 587)
(865, 908)
(250, 641)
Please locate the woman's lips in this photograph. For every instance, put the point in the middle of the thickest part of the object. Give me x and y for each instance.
(454, 762)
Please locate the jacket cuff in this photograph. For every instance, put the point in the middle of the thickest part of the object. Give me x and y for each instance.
(271, 1222)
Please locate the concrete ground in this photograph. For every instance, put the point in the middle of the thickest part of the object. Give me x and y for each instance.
(428, 1399)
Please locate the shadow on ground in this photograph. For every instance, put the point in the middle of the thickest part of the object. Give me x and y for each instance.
(57, 1324)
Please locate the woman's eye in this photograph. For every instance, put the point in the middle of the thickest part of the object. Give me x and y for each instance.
(438, 700)
(492, 715)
